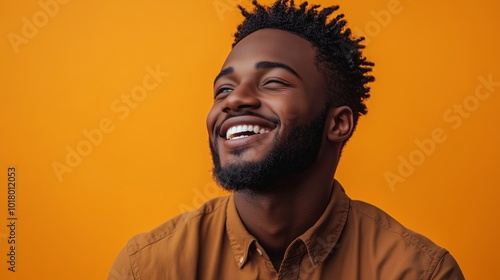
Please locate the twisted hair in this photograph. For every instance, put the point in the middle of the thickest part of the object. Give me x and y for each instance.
(339, 55)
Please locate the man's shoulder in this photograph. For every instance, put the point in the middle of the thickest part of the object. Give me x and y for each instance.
(374, 243)
(391, 232)
(182, 227)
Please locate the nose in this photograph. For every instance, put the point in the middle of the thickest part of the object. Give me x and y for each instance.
(242, 97)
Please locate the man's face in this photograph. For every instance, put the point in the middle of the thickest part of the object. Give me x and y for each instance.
(268, 115)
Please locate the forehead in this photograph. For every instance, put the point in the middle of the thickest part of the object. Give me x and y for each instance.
(274, 45)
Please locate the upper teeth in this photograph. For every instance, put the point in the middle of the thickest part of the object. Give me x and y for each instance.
(244, 128)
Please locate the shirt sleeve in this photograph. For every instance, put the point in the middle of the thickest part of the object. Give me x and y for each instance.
(121, 269)
(447, 269)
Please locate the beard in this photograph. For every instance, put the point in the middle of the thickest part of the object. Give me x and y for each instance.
(293, 154)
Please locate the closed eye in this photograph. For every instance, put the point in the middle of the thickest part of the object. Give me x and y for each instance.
(277, 81)
(274, 84)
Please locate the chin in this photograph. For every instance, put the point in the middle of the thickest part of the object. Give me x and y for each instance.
(241, 155)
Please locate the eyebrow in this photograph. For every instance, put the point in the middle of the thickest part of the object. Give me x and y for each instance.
(260, 65)
(224, 72)
(271, 65)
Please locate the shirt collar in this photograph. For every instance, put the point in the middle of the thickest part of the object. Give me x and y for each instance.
(324, 235)
(319, 240)
(239, 237)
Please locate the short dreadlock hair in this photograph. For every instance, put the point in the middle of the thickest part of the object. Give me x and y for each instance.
(338, 56)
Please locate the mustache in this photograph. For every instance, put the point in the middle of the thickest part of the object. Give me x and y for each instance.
(245, 113)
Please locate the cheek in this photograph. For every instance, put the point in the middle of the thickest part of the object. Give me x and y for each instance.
(289, 113)
(293, 110)
(211, 119)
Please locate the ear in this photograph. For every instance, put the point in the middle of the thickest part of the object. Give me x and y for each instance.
(340, 124)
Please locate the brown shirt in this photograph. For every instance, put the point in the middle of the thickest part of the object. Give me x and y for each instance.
(351, 240)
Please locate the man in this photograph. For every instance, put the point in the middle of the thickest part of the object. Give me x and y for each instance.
(287, 99)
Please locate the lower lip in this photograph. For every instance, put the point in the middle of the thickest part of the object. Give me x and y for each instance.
(237, 143)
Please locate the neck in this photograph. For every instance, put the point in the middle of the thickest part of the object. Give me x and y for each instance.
(278, 217)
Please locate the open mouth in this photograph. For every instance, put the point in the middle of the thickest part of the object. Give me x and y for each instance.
(242, 131)
(245, 126)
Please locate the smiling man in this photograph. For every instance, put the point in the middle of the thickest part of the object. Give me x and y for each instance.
(286, 101)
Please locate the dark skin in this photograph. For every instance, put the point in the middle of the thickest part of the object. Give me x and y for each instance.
(293, 90)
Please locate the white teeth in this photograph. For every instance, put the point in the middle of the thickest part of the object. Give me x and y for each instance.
(238, 137)
(244, 128)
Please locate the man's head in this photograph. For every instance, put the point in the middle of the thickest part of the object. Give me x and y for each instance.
(292, 82)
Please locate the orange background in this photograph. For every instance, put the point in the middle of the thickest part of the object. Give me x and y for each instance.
(154, 162)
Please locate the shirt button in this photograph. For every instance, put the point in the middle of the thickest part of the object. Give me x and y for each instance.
(259, 251)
